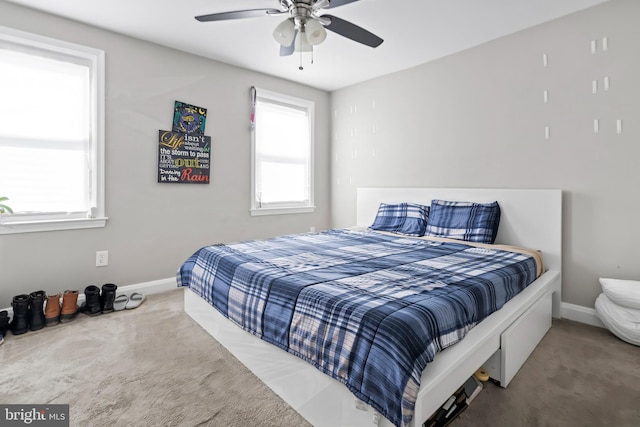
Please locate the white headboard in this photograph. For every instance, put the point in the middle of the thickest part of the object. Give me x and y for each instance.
(528, 218)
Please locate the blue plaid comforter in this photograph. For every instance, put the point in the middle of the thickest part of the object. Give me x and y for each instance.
(366, 308)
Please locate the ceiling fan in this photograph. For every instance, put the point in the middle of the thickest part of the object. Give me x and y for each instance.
(305, 27)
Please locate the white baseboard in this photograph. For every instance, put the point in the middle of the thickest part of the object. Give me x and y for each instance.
(581, 314)
(146, 288)
(573, 312)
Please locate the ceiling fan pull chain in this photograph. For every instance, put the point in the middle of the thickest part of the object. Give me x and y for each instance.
(300, 67)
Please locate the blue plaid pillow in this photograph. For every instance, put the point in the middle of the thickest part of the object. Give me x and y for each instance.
(473, 222)
(403, 218)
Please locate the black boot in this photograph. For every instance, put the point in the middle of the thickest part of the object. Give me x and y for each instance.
(19, 324)
(4, 324)
(36, 317)
(92, 301)
(108, 297)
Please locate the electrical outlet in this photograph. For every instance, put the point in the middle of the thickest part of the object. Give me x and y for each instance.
(102, 258)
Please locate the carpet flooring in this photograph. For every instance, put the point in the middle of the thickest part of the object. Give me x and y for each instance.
(579, 375)
(154, 366)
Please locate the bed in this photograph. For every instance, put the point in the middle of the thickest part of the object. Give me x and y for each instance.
(500, 343)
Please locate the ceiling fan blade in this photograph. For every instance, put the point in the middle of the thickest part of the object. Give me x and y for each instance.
(352, 31)
(288, 50)
(336, 3)
(239, 14)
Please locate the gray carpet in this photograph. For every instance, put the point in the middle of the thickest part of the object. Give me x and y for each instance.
(154, 366)
(579, 375)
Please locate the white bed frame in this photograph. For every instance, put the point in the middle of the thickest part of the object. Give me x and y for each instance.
(500, 344)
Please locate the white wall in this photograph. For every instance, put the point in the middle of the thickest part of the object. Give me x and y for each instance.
(153, 227)
(477, 119)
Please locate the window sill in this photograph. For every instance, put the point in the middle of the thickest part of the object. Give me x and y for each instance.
(51, 225)
(281, 211)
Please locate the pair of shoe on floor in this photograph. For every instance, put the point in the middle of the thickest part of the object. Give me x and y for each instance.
(123, 301)
(61, 308)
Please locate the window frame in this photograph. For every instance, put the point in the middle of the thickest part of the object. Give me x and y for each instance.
(283, 208)
(95, 218)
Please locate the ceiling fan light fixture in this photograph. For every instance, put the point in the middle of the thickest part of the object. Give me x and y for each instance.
(285, 32)
(315, 31)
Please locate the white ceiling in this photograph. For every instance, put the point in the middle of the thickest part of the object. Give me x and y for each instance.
(415, 31)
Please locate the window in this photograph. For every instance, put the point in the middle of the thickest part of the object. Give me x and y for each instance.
(282, 154)
(51, 133)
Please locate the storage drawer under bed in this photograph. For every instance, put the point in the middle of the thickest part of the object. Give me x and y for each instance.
(519, 340)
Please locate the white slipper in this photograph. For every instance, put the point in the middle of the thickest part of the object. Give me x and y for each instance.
(135, 300)
(120, 302)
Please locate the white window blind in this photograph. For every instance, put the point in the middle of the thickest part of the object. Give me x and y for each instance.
(282, 154)
(50, 132)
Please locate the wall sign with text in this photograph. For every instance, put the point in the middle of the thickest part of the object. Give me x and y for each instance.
(184, 153)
